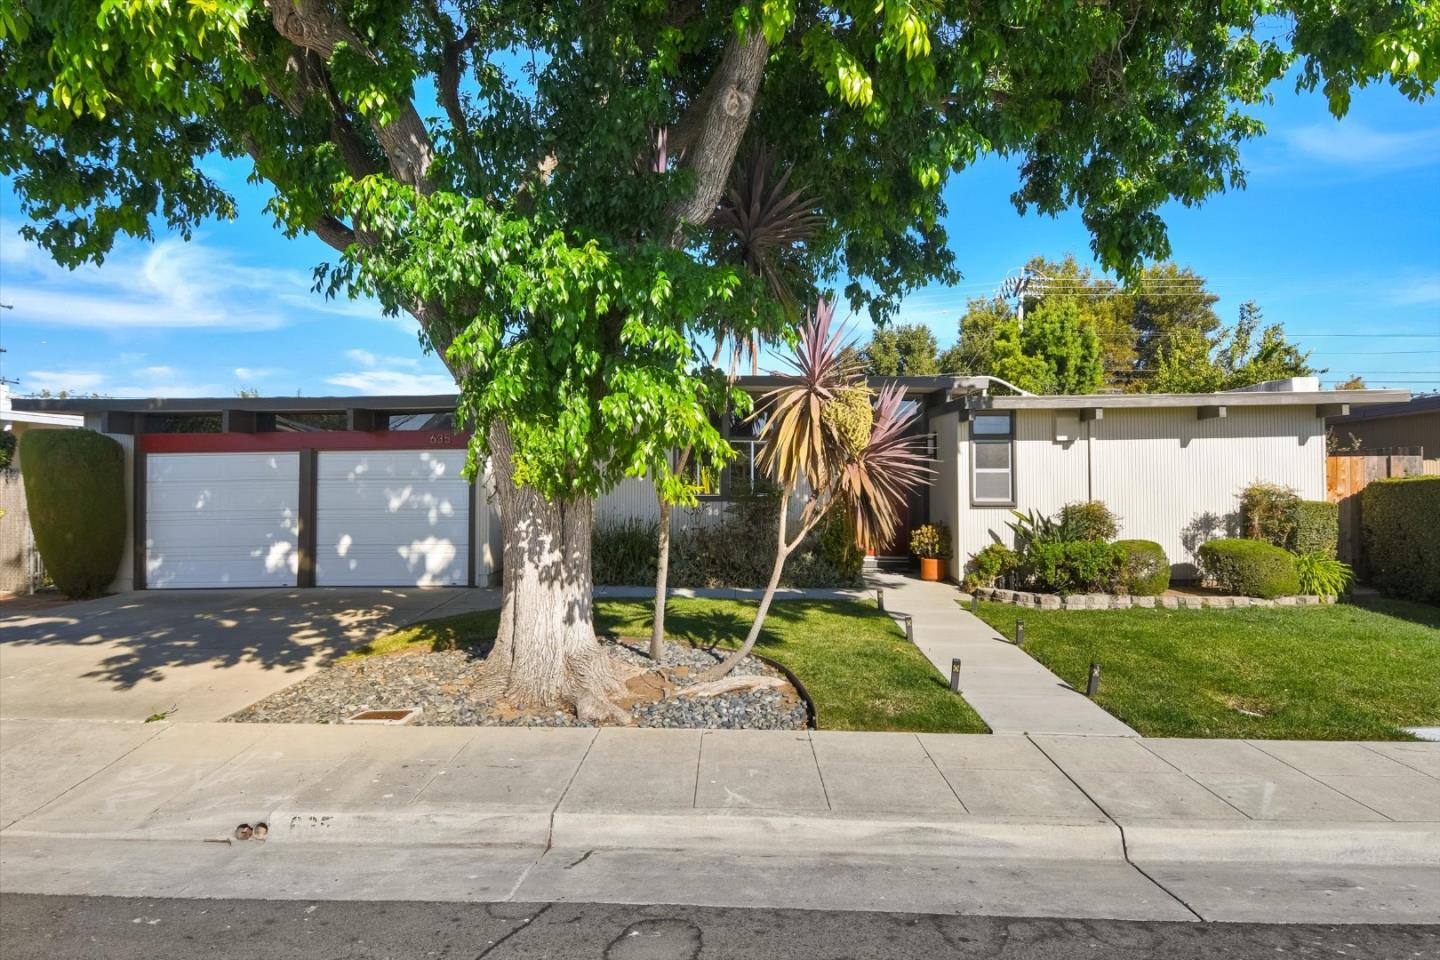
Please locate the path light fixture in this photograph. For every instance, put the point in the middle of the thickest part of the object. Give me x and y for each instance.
(1019, 633)
(880, 599)
(955, 675)
(909, 628)
(975, 603)
(1092, 686)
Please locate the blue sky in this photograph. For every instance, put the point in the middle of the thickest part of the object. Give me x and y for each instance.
(1337, 236)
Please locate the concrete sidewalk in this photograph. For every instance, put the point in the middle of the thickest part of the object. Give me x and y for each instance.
(1154, 829)
(1010, 690)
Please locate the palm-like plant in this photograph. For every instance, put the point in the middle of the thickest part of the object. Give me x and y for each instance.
(803, 442)
(758, 221)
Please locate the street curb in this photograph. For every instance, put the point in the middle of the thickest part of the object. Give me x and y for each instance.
(1369, 843)
(778, 833)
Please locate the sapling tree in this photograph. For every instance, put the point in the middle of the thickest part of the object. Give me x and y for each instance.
(490, 167)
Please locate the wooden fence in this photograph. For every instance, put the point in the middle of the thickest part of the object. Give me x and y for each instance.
(1346, 474)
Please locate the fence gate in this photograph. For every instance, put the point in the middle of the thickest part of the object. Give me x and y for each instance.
(1347, 473)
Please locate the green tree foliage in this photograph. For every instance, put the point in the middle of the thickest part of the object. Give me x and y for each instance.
(75, 489)
(1235, 357)
(907, 350)
(1053, 351)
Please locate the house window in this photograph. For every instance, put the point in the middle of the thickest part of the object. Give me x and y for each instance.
(706, 478)
(992, 459)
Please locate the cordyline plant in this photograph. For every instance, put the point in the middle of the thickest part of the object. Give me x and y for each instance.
(486, 167)
(761, 227)
(821, 440)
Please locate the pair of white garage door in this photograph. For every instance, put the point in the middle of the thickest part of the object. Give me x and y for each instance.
(383, 518)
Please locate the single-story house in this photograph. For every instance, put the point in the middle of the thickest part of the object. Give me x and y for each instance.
(1413, 425)
(349, 491)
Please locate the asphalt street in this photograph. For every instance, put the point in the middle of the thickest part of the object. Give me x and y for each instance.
(59, 928)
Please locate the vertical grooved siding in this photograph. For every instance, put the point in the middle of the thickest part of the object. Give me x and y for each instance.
(946, 488)
(1165, 472)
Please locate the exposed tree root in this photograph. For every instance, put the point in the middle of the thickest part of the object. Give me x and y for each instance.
(729, 685)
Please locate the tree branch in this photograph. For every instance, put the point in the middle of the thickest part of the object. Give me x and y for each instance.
(712, 127)
(313, 26)
(448, 83)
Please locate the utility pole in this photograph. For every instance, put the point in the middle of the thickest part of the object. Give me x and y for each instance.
(4, 380)
(1017, 288)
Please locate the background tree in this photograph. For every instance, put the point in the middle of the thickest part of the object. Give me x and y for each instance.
(1055, 351)
(1354, 383)
(906, 350)
(1234, 357)
(488, 167)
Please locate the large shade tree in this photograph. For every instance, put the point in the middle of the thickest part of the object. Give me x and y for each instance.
(532, 182)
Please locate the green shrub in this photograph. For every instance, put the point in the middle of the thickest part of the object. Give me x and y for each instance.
(1250, 568)
(1400, 521)
(737, 550)
(1268, 513)
(1145, 571)
(75, 488)
(1074, 566)
(930, 540)
(987, 565)
(624, 552)
(1322, 576)
(1317, 527)
(1088, 520)
(8, 442)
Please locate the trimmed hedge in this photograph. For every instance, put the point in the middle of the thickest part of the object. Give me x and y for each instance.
(1251, 568)
(1400, 523)
(1072, 566)
(1317, 527)
(75, 488)
(1145, 571)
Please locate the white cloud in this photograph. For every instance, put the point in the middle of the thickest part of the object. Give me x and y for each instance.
(1415, 291)
(72, 381)
(391, 375)
(255, 373)
(171, 284)
(1353, 144)
(158, 381)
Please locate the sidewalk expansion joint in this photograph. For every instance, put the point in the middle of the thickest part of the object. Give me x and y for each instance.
(1322, 783)
(1124, 841)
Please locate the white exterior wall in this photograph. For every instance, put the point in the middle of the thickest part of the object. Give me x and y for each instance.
(1166, 473)
(946, 488)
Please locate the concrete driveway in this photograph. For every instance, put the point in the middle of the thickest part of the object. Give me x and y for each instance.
(197, 654)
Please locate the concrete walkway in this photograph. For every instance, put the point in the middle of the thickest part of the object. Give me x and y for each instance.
(1010, 690)
(1062, 826)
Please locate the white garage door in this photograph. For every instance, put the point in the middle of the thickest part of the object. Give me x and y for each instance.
(221, 519)
(391, 518)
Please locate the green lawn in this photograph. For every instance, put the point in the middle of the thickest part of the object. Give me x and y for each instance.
(1341, 672)
(854, 660)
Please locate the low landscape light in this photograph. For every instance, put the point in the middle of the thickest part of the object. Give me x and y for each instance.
(909, 628)
(955, 675)
(1092, 686)
(880, 598)
(974, 603)
(1019, 633)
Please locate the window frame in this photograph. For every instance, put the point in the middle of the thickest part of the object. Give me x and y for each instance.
(994, 439)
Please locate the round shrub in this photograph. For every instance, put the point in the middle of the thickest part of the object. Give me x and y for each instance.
(1088, 520)
(75, 488)
(1317, 527)
(989, 564)
(1250, 568)
(1146, 569)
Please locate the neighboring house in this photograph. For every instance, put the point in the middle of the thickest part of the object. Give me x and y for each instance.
(1390, 427)
(348, 491)
(17, 567)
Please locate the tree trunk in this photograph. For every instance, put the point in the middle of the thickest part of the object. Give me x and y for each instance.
(546, 653)
(662, 582)
(782, 551)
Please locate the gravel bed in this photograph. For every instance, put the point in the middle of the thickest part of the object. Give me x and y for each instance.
(440, 684)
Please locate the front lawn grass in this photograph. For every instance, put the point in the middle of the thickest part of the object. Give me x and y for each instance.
(1341, 672)
(852, 658)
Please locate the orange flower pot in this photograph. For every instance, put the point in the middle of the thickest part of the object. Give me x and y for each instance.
(932, 568)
